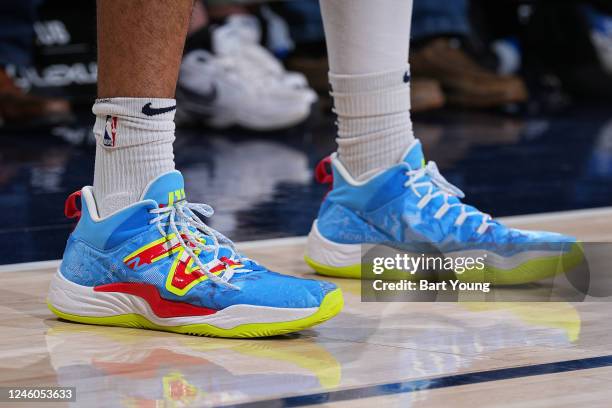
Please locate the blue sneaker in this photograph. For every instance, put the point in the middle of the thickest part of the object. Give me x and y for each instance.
(156, 265)
(411, 204)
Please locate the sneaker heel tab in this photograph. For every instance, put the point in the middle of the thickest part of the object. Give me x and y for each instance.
(323, 172)
(71, 209)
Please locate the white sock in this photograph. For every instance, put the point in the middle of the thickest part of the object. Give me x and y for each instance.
(374, 126)
(367, 44)
(133, 146)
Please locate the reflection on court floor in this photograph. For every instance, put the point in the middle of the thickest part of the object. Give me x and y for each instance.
(399, 354)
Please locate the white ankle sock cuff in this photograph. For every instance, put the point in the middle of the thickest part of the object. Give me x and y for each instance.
(381, 93)
(356, 127)
(122, 122)
(394, 100)
(151, 109)
(369, 82)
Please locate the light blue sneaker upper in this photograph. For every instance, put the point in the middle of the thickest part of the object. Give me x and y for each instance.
(412, 203)
(139, 244)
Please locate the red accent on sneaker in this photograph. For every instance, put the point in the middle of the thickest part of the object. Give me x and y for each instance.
(161, 307)
(71, 210)
(184, 277)
(323, 172)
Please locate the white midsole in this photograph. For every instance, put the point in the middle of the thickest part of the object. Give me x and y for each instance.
(329, 253)
(69, 297)
(326, 252)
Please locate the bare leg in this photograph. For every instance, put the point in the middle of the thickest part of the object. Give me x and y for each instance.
(140, 44)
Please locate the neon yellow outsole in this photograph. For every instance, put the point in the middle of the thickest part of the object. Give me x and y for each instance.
(332, 305)
(530, 271)
(351, 272)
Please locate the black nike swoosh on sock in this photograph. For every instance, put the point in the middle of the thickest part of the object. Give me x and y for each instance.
(149, 111)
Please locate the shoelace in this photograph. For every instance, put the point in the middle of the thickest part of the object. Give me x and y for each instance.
(192, 230)
(445, 189)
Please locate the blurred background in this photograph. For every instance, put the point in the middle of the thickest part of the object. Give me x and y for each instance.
(512, 99)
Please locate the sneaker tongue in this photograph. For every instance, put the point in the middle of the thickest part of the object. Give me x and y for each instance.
(414, 156)
(166, 190)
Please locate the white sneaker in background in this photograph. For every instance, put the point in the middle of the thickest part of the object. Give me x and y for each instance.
(240, 83)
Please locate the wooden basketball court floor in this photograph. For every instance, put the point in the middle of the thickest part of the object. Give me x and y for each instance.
(373, 354)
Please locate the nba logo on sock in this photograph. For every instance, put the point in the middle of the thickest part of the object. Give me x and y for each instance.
(110, 131)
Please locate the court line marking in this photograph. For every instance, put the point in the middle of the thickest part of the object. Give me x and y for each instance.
(432, 383)
(265, 243)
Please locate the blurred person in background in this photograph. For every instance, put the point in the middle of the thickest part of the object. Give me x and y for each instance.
(443, 70)
(563, 50)
(16, 50)
(440, 33)
(228, 77)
